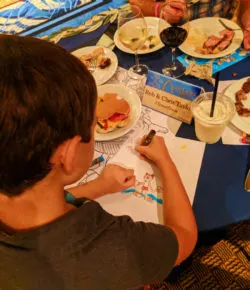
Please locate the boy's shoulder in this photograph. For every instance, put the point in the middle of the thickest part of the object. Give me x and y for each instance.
(88, 244)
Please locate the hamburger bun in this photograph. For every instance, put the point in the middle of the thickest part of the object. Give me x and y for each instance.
(112, 112)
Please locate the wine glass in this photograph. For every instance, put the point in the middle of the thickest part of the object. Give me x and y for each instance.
(132, 33)
(173, 31)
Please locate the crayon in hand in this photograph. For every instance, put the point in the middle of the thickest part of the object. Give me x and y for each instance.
(149, 138)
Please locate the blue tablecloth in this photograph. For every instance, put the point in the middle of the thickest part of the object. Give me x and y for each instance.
(220, 196)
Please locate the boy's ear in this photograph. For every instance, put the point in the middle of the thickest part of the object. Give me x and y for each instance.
(68, 154)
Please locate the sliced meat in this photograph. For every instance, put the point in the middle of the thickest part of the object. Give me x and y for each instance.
(244, 112)
(212, 42)
(240, 95)
(246, 87)
(210, 50)
(228, 34)
(239, 106)
(223, 44)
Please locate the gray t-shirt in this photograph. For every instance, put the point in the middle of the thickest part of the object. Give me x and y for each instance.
(87, 249)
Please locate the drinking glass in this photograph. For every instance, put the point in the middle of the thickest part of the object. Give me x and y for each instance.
(173, 34)
(132, 33)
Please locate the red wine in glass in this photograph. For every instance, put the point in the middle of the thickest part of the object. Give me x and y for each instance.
(173, 36)
(173, 32)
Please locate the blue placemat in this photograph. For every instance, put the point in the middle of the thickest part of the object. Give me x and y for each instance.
(218, 64)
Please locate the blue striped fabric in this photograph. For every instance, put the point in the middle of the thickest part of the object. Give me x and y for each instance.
(19, 16)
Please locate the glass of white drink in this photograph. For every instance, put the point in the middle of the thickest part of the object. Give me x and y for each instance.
(209, 129)
(133, 32)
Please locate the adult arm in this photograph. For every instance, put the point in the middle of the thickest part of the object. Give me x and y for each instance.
(147, 6)
(245, 21)
(172, 13)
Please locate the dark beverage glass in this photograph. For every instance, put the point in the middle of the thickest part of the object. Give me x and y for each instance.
(173, 31)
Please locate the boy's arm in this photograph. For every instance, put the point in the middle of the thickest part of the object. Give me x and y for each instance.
(112, 179)
(91, 190)
(177, 211)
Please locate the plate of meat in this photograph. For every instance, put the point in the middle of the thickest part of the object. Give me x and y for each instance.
(100, 61)
(239, 92)
(212, 37)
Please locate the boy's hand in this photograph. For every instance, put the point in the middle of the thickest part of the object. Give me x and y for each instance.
(115, 178)
(156, 151)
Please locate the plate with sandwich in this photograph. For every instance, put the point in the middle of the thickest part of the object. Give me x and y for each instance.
(118, 110)
(212, 37)
(152, 43)
(101, 62)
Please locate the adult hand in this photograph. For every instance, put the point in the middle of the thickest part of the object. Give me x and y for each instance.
(115, 178)
(247, 39)
(156, 151)
(175, 11)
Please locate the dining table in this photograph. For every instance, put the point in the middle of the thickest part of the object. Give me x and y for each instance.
(220, 198)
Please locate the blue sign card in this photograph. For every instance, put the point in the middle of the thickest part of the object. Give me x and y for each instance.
(170, 96)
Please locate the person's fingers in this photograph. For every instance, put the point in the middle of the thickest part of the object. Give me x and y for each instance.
(127, 175)
(176, 12)
(173, 19)
(116, 166)
(142, 140)
(247, 40)
(130, 172)
(129, 182)
(173, 15)
(178, 6)
(142, 149)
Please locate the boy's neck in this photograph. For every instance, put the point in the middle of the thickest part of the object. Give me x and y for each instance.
(33, 208)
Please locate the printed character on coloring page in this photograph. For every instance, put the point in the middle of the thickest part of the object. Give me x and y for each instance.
(147, 186)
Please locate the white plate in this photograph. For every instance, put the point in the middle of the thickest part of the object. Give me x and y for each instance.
(135, 106)
(101, 76)
(211, 26)
(242, 123)
(152, 24)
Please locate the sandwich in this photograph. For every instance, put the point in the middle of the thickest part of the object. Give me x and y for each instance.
(112, 112)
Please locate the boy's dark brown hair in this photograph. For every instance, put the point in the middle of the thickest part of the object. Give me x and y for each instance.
(46, 97)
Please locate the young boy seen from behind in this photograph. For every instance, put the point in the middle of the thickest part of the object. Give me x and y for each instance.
(47, 120)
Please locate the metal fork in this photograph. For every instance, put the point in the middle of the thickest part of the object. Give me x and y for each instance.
(227, 27)
(93, 65)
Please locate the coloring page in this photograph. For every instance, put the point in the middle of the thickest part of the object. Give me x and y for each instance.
(144, 201)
